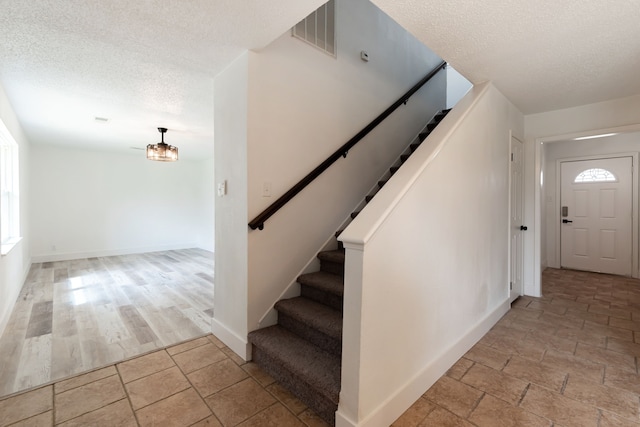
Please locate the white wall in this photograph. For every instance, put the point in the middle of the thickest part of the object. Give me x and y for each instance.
(457, 86)
(427, 262)
(622, 143)
(555, 125)
(303, 105)
(91, 203)
(15, 265)
(206, 233)
(230, 147)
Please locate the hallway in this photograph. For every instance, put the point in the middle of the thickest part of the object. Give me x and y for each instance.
(566, 359)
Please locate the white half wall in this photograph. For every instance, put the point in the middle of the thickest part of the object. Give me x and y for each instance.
(15, 265)
(91, 203)
(427, 262)
(304, 105)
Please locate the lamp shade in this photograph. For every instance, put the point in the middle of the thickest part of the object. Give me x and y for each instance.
(162, 152)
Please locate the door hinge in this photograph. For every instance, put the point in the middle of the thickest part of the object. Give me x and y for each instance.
(512, 157)
(510, 286)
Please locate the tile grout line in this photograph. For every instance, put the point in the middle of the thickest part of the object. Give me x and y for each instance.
(126, 393)
(192, 386)
(522, 395)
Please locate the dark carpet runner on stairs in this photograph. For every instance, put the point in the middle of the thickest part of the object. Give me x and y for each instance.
(303, 351)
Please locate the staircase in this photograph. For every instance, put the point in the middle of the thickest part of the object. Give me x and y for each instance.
(303, 351)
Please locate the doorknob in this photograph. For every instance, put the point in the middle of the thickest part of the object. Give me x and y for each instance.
(523, 227)
(566, 221)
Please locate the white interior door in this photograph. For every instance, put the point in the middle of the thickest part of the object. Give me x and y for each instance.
(516, 226)
(596, 215)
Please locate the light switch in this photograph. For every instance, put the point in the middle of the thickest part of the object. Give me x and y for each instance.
(222, 188)
(266, 189)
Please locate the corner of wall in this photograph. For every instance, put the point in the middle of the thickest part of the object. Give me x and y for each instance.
(239, 345)
(14, 267)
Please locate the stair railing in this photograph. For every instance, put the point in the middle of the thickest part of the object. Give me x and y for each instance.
(258, 221)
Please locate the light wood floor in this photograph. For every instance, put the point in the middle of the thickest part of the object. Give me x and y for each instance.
(74, 316)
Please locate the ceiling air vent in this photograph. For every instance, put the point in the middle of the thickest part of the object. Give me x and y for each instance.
(318, 29)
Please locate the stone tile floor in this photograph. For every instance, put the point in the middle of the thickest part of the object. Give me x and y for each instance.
(200, 382)
(567, 359)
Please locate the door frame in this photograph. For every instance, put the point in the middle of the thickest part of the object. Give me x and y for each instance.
(534, 268)
(510, 226)
(634, 203)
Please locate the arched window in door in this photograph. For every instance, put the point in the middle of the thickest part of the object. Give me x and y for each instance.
(595, 175)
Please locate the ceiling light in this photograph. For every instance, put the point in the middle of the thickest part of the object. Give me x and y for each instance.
(162, 152)
(594, 136)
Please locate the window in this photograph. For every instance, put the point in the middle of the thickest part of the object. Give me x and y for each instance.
(318, 28)
(595, 175)
(9, 191)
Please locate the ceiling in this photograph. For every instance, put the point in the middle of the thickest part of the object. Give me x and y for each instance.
(150, 63)
(543, 55)
(140, 64)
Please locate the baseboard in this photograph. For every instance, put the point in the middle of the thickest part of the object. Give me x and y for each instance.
(66, 256)
(236, 343)
(403, 398)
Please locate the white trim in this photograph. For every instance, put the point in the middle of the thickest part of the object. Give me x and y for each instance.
(240, 346)
(537, 202)
(66, 256)
(634, 202)
(403, 398)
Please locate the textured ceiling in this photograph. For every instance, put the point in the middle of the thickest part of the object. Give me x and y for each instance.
(149, 63)
(543, 55)
(142, 64)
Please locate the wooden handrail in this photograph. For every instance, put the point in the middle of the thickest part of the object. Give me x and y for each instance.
(258, 222)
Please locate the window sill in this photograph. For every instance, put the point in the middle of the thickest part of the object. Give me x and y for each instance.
(5, 248)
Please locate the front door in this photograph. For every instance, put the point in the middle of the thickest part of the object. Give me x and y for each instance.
(516, 225)
(596, 215)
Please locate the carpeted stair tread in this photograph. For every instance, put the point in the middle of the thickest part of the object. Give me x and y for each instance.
(312, 365)
(327, 282)
(336, 256)
(316, 315)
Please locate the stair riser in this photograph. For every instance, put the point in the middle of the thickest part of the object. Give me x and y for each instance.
(321, 405)
(332, 267)
(322, 340)
(331, 300)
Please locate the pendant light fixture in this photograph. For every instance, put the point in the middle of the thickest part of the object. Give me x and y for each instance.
(162, 152)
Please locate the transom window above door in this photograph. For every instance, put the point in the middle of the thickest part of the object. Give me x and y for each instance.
(595, 175)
